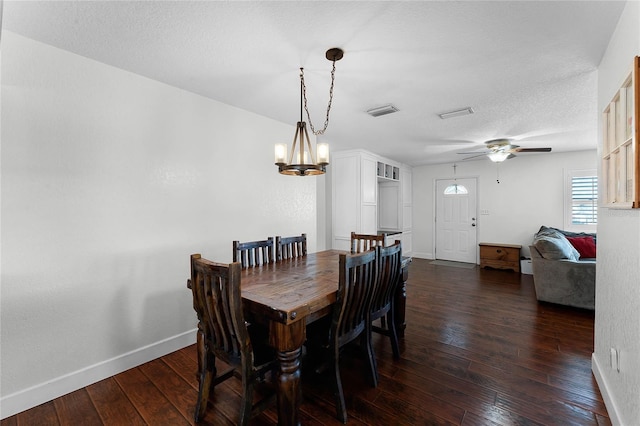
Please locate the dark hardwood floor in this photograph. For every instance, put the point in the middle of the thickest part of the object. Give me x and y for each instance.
(478, 350)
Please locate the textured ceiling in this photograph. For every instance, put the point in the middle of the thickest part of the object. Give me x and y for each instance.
(528, 69)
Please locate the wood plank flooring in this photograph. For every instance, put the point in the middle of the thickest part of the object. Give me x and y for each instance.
(478, 350)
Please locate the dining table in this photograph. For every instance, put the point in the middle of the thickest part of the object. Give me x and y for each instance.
(289, 294)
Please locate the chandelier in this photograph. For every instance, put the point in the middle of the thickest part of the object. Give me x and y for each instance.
(302, 160)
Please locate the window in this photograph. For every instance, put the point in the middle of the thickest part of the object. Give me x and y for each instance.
(581, 205)
(455, 189)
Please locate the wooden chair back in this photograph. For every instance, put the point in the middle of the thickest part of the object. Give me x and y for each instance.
(222, 333)
(389, 276)
(356, 288)
(253, 253)
(365, 242)
(291, 247)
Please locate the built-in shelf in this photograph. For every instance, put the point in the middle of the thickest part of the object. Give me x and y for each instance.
(620, 153)
(388, 171)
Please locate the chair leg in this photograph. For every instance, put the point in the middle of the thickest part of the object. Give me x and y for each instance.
(341, 408)
(371, 356)
(247, 395)
(200, 351)
(393, 334)
(207, 374)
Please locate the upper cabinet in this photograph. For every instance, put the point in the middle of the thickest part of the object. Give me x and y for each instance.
(620, 153)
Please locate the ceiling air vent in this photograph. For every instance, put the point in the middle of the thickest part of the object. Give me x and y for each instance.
(456, 113)
(382, 110)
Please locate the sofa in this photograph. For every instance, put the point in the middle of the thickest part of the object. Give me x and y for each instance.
(563, 274)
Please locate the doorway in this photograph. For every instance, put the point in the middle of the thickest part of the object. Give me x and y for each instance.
(456, 230)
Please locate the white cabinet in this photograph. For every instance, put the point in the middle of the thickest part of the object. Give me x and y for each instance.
(407, 209)
(346, 204)
(368, 182)
(370, 194)
(355, 196)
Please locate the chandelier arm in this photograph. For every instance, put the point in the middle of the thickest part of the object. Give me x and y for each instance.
(295, 140)
(311, 153)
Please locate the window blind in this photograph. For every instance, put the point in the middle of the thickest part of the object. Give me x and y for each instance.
(584, 200)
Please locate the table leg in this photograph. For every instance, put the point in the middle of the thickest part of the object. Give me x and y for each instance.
(288, 340)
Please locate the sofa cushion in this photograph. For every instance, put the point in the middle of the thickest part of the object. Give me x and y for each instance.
(553, 245)
(586, 246)
(577, 234)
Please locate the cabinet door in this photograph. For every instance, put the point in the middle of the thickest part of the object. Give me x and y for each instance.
(406, 187)
(369, 180)
(369, 222)
(407, 199)
(406, 217)
(346, 185)
(407, 243)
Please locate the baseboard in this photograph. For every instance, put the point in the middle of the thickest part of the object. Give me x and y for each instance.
(44, 392)
(421, 255)
(612, 409)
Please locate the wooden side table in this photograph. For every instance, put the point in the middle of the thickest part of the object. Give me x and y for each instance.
(500, 256)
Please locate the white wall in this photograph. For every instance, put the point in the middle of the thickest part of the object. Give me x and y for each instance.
(617, 285)
(109, 182)
(530, 194)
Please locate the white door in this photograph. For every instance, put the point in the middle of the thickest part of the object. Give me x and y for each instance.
(456, 237)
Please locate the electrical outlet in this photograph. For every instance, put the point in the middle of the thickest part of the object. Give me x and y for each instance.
(615, 360)
(484, 212)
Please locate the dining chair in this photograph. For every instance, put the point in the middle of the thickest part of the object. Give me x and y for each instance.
(356, 288)
(253, 253)
(382, 304)
(291, 247)
(365, 242)
(223, 334)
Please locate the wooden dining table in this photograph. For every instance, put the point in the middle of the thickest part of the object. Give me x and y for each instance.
(288, 295)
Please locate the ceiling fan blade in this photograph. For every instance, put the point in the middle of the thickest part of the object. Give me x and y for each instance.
(531, 150)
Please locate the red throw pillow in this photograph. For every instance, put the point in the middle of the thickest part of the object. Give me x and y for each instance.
(585, 246)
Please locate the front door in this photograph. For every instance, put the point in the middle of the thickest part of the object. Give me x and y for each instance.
(456, 237)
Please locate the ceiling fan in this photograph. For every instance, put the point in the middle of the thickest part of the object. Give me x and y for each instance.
(499, 150)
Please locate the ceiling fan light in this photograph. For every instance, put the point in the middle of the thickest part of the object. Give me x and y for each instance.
(498, 156)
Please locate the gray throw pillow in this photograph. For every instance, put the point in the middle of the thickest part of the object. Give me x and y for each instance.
(553, 245)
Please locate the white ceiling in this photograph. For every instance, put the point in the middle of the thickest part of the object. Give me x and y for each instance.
(527, 68)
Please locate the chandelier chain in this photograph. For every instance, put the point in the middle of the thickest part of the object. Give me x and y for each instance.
(304, 95)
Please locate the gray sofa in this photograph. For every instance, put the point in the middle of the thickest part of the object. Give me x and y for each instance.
(559, 275)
